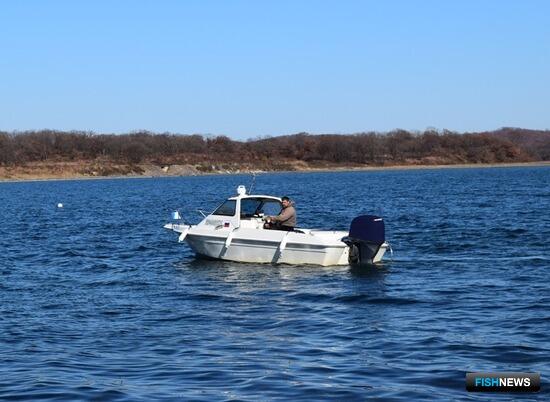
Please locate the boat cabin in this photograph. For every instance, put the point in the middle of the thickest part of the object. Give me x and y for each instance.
(244, 210)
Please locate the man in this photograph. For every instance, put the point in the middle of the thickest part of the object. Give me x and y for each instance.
(286, 220)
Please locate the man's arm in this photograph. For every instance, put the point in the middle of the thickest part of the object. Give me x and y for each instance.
(283, 216)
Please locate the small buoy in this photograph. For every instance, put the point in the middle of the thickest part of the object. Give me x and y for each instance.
(60, 205)
(176, 215)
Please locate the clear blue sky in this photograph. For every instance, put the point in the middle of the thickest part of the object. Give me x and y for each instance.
(251, 68)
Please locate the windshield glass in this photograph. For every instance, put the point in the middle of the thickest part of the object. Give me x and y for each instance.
(255, 206)
(250, 207)
(271, 207)
(226, 209)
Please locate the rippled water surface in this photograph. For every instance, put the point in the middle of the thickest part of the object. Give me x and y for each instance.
(97, 301)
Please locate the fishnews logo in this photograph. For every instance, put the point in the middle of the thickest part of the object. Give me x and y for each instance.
(503, 382)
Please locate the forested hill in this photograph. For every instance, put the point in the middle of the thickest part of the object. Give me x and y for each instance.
(105, 154)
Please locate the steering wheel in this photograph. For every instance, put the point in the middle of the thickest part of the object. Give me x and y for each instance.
(258, 213)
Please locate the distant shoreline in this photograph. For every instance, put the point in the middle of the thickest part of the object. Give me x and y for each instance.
(61, 177)
(420, 167)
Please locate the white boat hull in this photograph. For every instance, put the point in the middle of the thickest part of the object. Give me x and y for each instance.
(269, 246)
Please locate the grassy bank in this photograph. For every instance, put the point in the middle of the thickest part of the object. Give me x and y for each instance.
(83, 170)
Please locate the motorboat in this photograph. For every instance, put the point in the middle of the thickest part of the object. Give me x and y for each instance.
(235, 231)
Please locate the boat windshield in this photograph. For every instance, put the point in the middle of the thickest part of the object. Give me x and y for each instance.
(251, 207)
(226, 209)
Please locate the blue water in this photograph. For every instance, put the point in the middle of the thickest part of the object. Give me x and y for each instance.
(98, 302)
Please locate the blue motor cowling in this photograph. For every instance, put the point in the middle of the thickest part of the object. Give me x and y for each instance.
(366, 236)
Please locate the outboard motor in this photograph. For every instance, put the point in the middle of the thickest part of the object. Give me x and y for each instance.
(366, 236)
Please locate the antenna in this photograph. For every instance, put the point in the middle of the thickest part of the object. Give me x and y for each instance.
(253, 181)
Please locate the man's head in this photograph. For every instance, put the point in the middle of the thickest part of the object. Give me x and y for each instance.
(286, 201)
